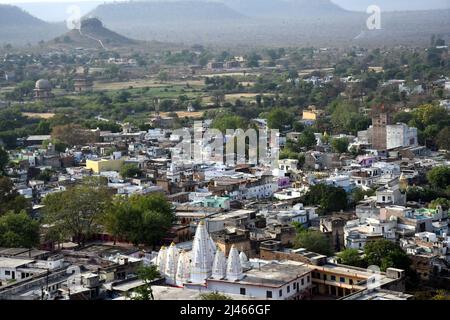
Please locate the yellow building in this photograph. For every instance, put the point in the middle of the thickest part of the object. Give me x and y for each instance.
(101, 165)
(312, 113)
(309, 115)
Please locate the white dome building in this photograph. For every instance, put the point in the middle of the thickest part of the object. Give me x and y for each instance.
(42, 89)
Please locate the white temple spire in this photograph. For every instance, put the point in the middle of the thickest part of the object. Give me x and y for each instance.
(202, 255)
(244, 260)
(220, 265)
(161, 260)
(183, 268)
(171, 264)
(234, 268)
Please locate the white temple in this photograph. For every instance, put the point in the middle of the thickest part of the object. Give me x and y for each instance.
(203, 262)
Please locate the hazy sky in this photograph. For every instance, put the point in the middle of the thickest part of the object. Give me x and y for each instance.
(360, 5)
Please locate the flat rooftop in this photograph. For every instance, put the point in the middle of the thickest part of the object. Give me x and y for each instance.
(378, 294)
(12, 263)
(272, 274)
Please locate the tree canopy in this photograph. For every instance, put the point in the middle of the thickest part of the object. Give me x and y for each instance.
(4, 159)
(78, 211)
(130, 171)
(147, 274)
(439, 177)
(314, 241)
(279, 118)
(10, 199)
(140, 219)
(351, 257)
(340, 145)
(386, 254)
(329, 198)
(18, 230)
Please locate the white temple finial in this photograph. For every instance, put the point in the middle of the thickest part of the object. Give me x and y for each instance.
(220, 265)
(234, 268)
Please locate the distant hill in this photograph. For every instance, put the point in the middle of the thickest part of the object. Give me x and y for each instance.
(284, 8)
(19, 27)
(92, 34)
(394, 5)
(56, 11)
(151, 12)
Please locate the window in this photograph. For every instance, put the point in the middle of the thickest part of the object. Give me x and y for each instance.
(308, 279)
(333, 278)
(242, 290)
(295, 285)
(7, 273)
(342, 279)
(269, 294)
(350, 281)
(303, 281)
(288, 289)
(280, 293)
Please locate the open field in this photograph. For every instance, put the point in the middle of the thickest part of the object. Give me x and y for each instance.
(235, 96)
(231, 74)
(184, 114)
(39, 115)
(6, 89)
(151, 83)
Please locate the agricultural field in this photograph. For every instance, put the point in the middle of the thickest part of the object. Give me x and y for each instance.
(39, 115)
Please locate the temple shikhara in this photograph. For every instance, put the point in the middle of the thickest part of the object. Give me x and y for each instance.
(204, 261)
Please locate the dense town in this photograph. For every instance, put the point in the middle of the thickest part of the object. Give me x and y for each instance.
(98, 201)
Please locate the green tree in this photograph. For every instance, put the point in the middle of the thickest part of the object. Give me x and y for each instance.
(279, 119)
(122, 97)
(443, 202)
(345, 117)
(441, 295)
(141, 219)
(130, 171)
(72, 134)
(329, 198)
(359, 194)
(163, 76)
(214, 296)
(78, 211)
(226, 121)
(439, 177)
(443, 139)
(314, 241)
(386, 254)
(10, 199)
(4, 159)
(218, 97)
(18, 230)
(307, 139)
(147, 275)
(340, 145)
(351, 257)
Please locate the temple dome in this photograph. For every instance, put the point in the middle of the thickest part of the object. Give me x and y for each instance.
(43, 84)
